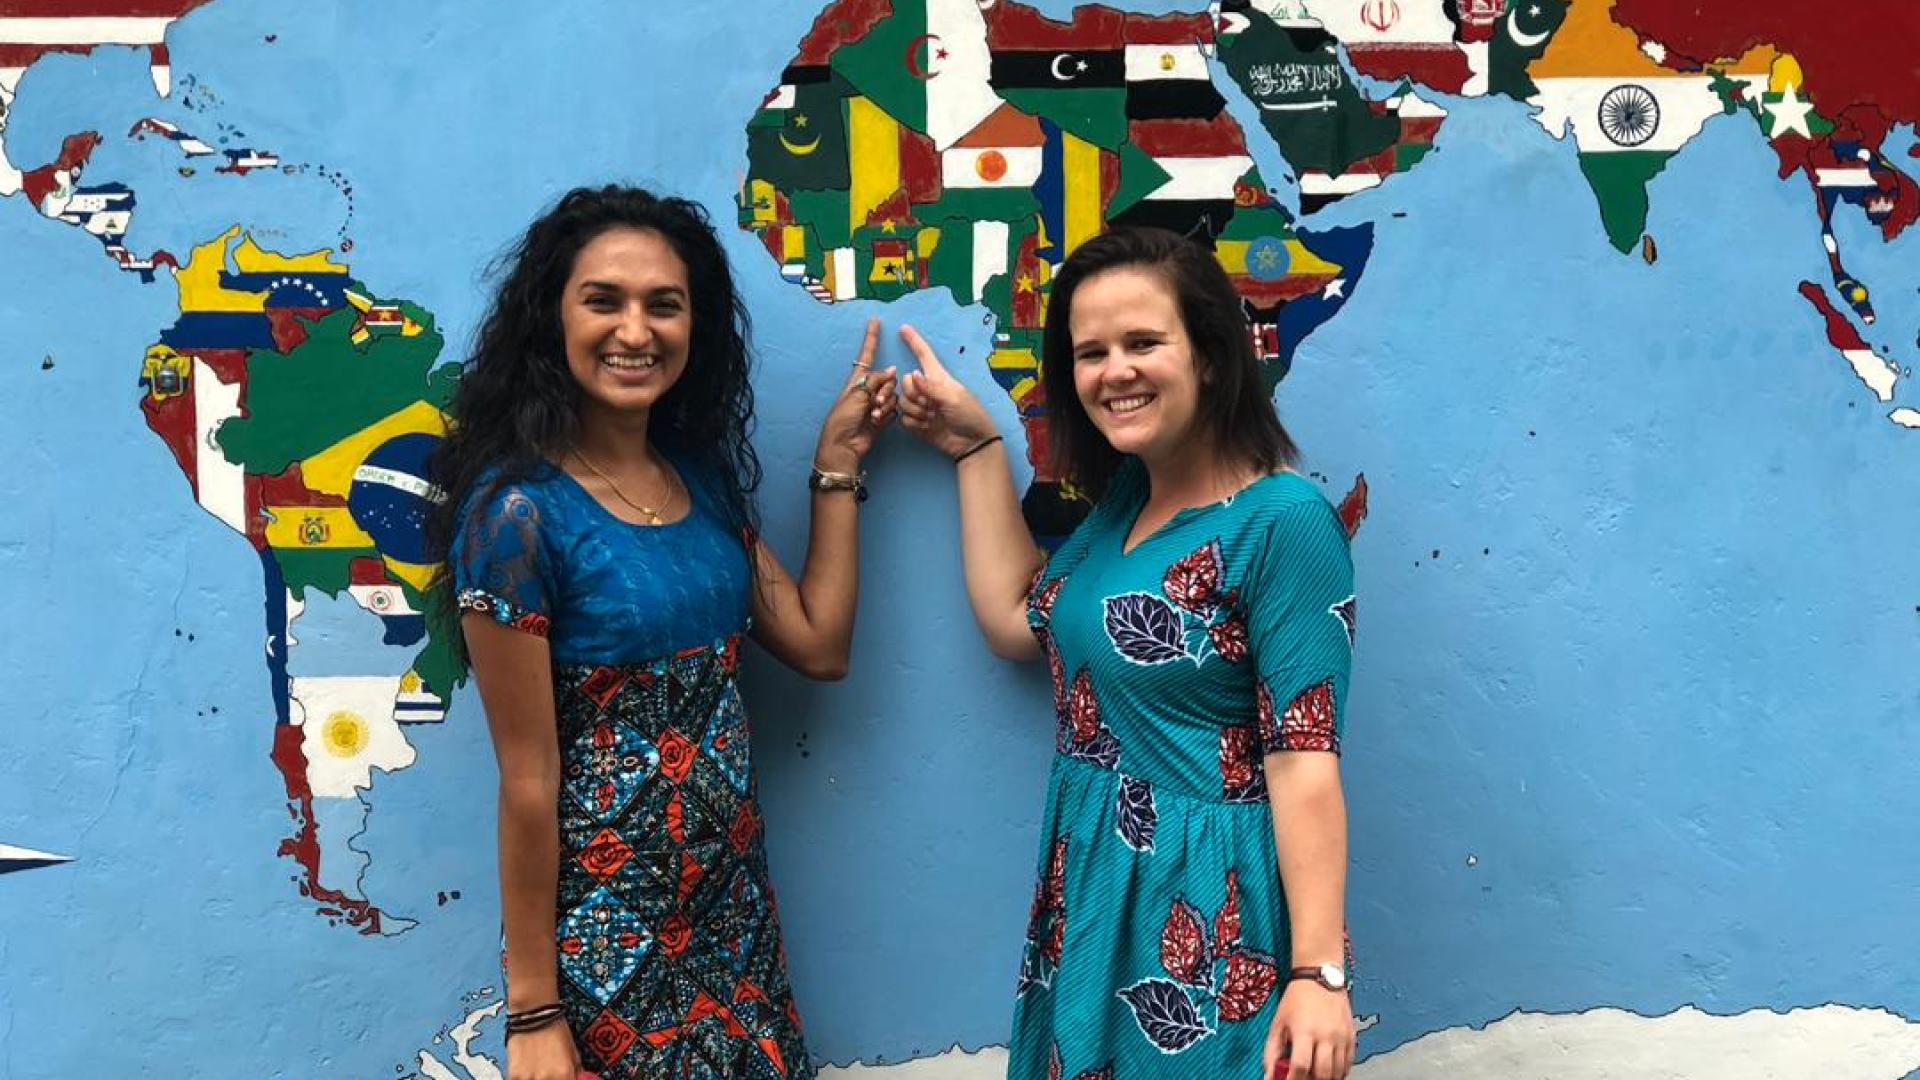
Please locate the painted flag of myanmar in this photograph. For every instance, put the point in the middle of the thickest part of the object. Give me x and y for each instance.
(1629, 115)
(928, 66)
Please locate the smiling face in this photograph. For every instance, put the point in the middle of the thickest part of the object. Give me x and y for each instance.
(627, 319)
(1133, 365)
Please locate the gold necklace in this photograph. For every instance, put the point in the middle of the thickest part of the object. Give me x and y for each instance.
(652, 512)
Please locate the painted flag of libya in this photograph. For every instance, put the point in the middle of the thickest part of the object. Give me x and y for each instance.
(1629, 115)
(928, 66)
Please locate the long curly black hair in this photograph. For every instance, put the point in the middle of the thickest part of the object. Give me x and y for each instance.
(518, 405)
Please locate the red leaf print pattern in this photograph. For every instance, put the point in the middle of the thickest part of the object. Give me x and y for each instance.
(1083, 709)
(1183, 946)
(1226, 925)
(1269, 724)
(1248, 984)
(1230, 638)
(1041, 599)
(1194, 582)
(1308, 723)
(1242, 779)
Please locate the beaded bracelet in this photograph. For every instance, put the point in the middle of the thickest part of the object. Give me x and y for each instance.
(541, 1016)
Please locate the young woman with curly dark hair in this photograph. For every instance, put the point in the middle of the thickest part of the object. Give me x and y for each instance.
(601, 537)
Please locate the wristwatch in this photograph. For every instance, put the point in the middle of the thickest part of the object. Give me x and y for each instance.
(835, 481)
(1331, 976)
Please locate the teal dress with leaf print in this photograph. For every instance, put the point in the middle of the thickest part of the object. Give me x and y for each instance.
(1158, 941)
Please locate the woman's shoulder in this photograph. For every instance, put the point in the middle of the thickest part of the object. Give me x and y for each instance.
(526, 492)
(1286, 506)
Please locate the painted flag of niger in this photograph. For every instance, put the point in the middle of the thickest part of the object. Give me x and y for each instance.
(1003, 152)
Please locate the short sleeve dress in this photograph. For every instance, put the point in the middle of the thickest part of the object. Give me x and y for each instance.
(671, 960)
(1158, 936)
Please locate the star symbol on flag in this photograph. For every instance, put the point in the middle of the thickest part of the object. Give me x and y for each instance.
(1335, 288)
(886, 225)
(1267, 258)
(1789, 113)
(799, 120)
(1024, 283)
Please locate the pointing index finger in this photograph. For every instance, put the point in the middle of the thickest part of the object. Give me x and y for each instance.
(923, 352)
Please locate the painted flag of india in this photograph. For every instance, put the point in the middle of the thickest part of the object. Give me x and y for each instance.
(1628, 115)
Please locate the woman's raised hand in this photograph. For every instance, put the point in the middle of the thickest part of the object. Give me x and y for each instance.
(865, 407)
(934, 406)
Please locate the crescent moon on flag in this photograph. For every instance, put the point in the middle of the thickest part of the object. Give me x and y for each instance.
(913, 56)
(1062, 76)
(799, 149)
(1525, 41)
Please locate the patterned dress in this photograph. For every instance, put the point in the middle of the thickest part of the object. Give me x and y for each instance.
(1158, 940)
(671, 962)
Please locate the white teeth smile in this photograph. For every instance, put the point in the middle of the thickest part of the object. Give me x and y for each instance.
(630, 363)
(1129, 404)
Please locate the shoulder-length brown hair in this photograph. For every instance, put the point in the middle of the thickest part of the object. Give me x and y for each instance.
(1234, 406)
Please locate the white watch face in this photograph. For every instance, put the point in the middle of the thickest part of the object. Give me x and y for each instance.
(1334, 976)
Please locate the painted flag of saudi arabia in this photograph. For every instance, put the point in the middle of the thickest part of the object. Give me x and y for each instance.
(1628, 114)
(928, 66)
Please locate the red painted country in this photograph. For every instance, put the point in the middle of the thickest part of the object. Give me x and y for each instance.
(96, 9)
(1859, 53)
(1215, 137)
(74, 152)
(1194, 29)
(842, 23)
(1443, 67)
(1015, 26)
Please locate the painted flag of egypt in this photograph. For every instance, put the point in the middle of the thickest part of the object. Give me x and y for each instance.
(1054, 69)
(1170, 82)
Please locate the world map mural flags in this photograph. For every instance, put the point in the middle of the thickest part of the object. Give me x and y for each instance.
(928, 65)
(798, 138)
(1525, 30)
(1291, 70)
(1628, 115)
(15, 859)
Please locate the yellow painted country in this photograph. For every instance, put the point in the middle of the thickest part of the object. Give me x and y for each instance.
(924, 243)
(793, 244)
(331, 470)
(1080, 161)
(314, 527)
(765, 201)
(873, 154)
(199, 279)
(1013, 360)
(418, 575)
(1232, 255)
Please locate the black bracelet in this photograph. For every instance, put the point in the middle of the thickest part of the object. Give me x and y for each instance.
(540, 1016)
(977, 447)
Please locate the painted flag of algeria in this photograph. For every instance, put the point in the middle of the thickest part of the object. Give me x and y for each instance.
(928, 66)
(1628, 114)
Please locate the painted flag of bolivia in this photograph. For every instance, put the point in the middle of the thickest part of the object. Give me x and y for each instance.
(928, 66)
(1628, 114)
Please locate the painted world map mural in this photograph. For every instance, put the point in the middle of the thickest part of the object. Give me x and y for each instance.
(1595, 317)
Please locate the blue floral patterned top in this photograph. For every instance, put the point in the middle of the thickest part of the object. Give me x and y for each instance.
(543, 555)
